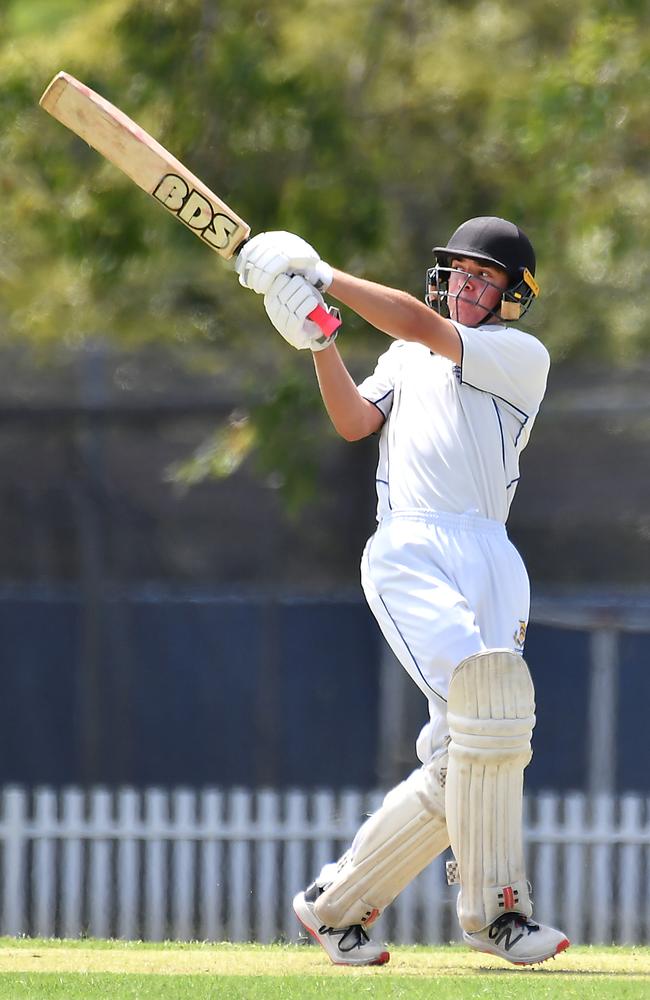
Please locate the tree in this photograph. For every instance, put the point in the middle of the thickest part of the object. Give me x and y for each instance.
(371, 128)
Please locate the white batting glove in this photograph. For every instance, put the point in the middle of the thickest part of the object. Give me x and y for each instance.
(288, 303)
(267, 255)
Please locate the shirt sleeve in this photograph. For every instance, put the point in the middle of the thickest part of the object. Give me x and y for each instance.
(506, 363)
(379, 387)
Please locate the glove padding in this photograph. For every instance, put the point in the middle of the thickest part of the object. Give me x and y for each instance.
(267, 255)
(288, 303)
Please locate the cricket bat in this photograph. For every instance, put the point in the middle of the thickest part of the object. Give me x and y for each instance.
(156, 171)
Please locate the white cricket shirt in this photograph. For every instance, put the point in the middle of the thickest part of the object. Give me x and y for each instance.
(453, 434)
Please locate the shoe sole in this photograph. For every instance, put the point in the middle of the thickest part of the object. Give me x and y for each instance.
(562, 946)
(381, 959)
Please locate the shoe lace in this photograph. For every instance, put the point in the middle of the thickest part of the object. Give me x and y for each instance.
(352, 937)
(516, 919)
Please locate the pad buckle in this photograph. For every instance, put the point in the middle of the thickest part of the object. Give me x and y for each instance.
(453, 872)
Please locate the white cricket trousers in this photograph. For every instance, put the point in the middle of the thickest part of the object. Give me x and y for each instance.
(443, 587)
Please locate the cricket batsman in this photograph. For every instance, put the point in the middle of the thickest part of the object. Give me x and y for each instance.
(453, 400)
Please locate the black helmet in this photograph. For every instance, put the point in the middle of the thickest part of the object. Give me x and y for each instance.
(494, 241)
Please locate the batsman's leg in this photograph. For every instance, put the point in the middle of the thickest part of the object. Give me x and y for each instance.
(396, 843)
(491, 706)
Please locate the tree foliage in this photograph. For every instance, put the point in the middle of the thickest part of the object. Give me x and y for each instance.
(372, 128)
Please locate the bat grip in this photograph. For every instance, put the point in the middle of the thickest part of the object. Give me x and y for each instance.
(328, 321)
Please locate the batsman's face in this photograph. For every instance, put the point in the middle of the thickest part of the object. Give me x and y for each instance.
(474, 288)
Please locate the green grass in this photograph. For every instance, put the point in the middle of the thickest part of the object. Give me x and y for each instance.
(48, 986)
(32, 969)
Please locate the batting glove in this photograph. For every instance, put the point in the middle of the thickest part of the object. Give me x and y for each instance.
(288, 303)
(267, 255)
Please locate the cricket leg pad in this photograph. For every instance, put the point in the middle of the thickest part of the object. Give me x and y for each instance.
(393, 846)
(491, 714)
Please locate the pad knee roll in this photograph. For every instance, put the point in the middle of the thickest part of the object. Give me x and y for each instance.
(393, 846)
(491, 706)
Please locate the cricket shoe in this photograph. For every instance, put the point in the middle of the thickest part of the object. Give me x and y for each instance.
(344, 945)
(517, 939)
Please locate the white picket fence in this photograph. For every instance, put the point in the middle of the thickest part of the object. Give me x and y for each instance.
(215, 865)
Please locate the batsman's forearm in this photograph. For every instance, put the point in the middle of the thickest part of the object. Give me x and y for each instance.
(353, 416)
(388, 309)
(396, 313)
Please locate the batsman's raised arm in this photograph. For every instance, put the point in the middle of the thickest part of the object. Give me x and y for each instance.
(397, 313)
(390, 310)
(289, 301)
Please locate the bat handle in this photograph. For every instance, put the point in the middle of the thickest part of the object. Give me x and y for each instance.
(329, 320)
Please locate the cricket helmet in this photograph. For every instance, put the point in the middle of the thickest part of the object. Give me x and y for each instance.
(493, 241)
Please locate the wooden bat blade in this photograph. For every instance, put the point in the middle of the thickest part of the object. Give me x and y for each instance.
(145, 161)
(137, 154)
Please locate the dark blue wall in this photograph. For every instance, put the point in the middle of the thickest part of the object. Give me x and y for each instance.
(207, 691)
(558, 661)
(244, 691)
